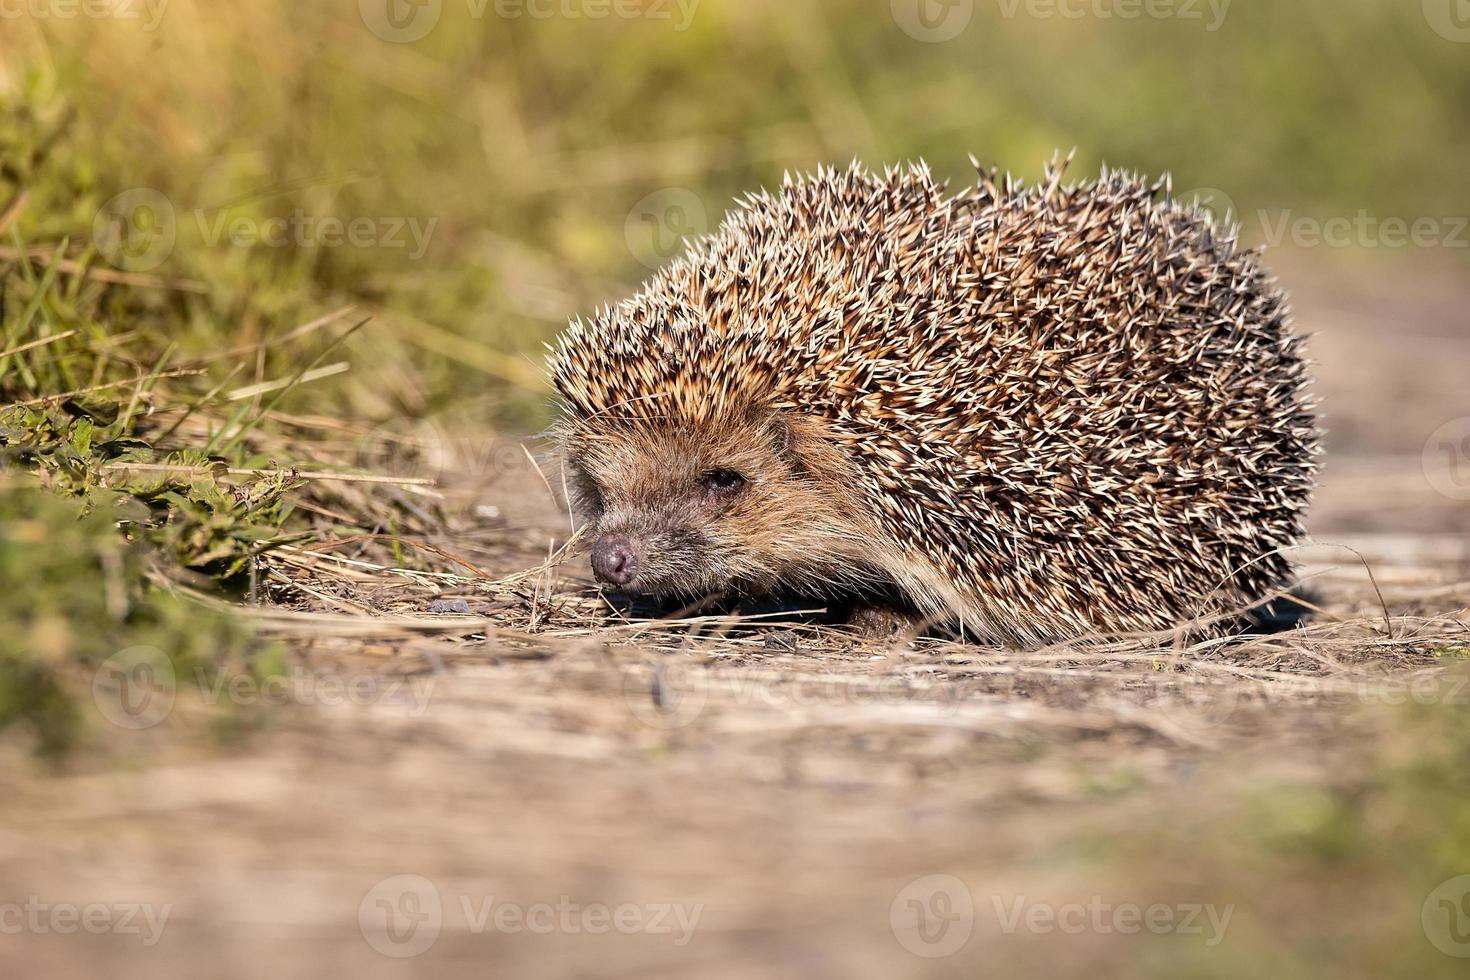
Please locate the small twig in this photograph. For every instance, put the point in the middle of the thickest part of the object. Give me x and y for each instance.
(48, 258)
(299, 474)
(37, 343)
(13, 211)
(183, 373)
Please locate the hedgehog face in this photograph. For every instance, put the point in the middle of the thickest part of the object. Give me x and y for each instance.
(679, 511)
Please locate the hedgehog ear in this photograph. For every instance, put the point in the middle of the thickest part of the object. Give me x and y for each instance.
(780, 433)
(795, 439)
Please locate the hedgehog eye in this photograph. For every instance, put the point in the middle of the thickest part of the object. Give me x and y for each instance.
(722, 481)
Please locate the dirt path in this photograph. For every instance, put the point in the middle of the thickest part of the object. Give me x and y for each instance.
(775, 804)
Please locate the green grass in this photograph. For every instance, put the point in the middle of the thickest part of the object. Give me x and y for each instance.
(77, 596)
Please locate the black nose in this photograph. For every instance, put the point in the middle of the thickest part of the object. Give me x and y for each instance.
(615, 559)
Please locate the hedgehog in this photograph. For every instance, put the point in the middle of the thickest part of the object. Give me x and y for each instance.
(1026, 413)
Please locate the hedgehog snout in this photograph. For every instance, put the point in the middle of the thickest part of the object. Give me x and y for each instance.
(615, 559)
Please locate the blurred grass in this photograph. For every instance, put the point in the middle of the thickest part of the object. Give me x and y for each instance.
(75, 600)
(1328, 878)
(529, 141)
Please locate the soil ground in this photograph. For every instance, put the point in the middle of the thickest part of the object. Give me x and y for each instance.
(792, 789)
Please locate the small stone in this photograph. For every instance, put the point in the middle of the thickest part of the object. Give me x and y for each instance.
(781, 640)
(449, 606)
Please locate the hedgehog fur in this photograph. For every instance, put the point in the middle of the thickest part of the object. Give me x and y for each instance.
(1030, 412)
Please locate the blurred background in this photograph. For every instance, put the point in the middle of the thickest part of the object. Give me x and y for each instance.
(241, 237)
(537, 157)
